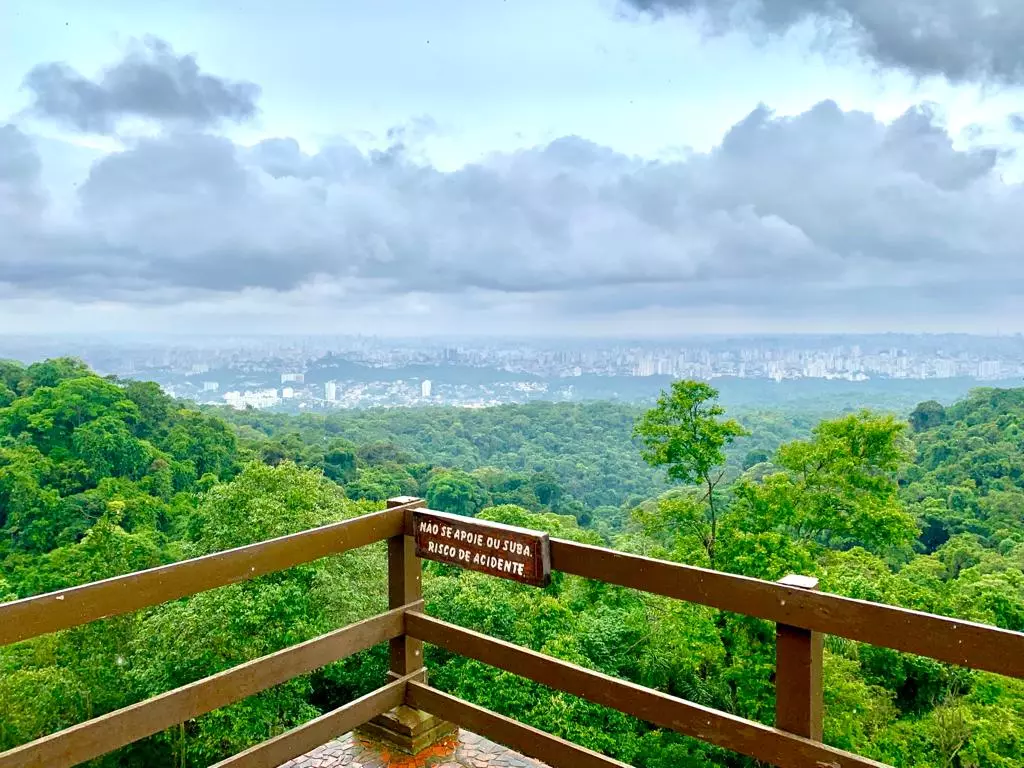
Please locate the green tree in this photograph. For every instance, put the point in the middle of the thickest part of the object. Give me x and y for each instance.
(264, 502)
(339, 461)
(186, 640)
(837, 489)
(686, 433)
(50, 415)
(755, 457)
(203, 444)
(456, 492)
(108, 448)
(927, 415)
(154, 407)
(12, 381)
(50, 373)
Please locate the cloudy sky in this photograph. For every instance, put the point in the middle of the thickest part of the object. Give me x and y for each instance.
(597, 167)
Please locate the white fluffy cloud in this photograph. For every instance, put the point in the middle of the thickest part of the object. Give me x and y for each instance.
(828, 212)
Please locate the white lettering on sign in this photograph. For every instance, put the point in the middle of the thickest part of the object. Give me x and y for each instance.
(500, 550)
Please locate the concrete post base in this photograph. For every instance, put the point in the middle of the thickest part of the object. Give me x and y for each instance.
(409, 730)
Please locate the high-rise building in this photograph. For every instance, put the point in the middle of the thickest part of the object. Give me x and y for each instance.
(989, 369)
(331, 391)
(645, 366)
(426, 387)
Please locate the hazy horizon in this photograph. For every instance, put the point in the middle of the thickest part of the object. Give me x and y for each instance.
(463, 338)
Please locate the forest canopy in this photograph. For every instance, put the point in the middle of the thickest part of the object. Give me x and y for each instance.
(100, 477)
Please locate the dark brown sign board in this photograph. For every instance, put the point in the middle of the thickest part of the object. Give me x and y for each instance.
(480, 545)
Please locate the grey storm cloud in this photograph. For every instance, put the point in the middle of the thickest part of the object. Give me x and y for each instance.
(824, 208)
(962, 40)
(19, 162)
(827, 208)
(151, 81)
(20, 169)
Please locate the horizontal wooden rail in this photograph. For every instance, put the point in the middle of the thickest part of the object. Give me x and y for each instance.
(746, 737)
(309, 736)
(113, 730)
(53, 611)
(966, 643)
(959, 642)
(529, 741)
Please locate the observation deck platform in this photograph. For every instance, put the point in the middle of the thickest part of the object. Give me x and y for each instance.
(461, 750)
(802, 616)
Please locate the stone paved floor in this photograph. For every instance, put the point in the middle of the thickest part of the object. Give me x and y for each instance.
(467, 750)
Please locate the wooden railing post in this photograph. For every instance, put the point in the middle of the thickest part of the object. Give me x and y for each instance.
(405, 585)
(410, 730)
(799, 704)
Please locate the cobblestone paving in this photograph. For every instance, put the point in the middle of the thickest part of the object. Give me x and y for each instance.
(467, 750)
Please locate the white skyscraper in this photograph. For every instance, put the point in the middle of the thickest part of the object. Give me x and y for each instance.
(989, 369)
(331, 391)
(425, 388)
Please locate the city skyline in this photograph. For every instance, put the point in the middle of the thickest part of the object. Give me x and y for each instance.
(325, 372)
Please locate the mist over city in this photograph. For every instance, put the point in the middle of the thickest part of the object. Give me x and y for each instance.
(316, 373)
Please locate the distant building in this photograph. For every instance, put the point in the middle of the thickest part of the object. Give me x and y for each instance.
(645, 367)
(261, 398)
(211, 386)
(990, 369)
(298, 378)
(331, 392)
(426, 387)
(287, 392)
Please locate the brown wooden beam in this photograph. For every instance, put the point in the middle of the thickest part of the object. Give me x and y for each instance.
(551, 750)
(966, 643)
(762, 742)
(22, 619)
(405, 585)
(799, 693)
(103, 734)
(309, 736)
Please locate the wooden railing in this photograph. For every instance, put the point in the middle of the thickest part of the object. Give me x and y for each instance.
(802, 616)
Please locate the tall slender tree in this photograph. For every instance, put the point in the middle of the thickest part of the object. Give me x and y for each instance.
(686, 433)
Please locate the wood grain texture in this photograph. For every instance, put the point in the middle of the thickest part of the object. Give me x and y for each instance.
(966, 643)
(405, 586)
(309, 736)
(38, 615)
(493, 548)
(762, 742)
(556, 752)
(799, 690)
(103, 734)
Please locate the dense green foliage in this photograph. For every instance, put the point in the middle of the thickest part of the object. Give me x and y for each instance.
(582, 458)
(586, 448)
(100, 477)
